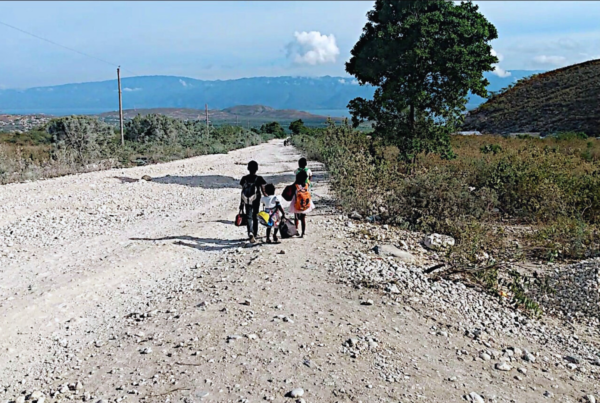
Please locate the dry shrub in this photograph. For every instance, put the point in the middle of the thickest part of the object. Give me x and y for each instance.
(552, 185)
(81, 144)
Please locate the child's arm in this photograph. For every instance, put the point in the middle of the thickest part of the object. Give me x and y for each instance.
(280, 209)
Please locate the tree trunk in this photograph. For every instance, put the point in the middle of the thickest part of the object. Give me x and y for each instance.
(411, 119)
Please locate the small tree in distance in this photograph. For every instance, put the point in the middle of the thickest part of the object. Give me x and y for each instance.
(423, 57)
(297, 127)
(273, 128)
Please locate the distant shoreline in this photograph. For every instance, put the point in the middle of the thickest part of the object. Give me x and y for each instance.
(334, 113)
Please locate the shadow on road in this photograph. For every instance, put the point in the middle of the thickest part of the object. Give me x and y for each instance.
(204, 244)
(125, 179)
(227, 222)
(219, 181)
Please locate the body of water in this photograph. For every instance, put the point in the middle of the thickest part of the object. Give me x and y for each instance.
(334, 113)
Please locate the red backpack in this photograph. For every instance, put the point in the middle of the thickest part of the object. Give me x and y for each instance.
(302, 198)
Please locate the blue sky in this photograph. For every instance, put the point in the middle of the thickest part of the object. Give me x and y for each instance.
(223, 40)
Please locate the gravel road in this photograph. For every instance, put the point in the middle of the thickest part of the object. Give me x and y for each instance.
(118, 289)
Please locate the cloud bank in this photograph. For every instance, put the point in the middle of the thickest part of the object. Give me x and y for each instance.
(499, 71)
(313, 48)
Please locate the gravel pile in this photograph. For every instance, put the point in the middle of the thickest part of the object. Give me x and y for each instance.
(483, 316)
(577, 289)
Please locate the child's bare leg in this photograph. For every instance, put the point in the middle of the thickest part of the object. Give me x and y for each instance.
(269, 235)
(303, 221)
(275, 239)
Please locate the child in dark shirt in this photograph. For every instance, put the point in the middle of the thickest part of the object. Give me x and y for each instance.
(252, 188)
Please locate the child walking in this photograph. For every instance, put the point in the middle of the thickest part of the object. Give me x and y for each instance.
(302, 202)
(302, 167)
(273, 207)
(252, 187)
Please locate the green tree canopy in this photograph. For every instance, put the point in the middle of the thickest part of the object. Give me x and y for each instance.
(297, 127)
(424, 57)
(273, 128)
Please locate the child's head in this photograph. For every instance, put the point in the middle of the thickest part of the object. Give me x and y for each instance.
(253, 167)
(270, 189)
(301, 177)
(302, 162)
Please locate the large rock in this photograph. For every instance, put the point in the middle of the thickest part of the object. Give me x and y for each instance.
(391, 250)
(438, 242)
(475, 398)
(298, 392)
(355, 215)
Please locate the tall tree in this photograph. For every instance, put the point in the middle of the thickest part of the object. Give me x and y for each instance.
(423, 57)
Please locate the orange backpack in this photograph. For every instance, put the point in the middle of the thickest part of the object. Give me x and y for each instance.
(302, 198)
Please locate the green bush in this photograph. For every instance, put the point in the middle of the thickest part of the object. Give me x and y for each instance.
(86, 136)
(571, 136)
(491, 148)
(154, 128)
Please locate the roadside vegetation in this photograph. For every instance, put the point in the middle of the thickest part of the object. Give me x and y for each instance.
(75, 144)
(506, 201)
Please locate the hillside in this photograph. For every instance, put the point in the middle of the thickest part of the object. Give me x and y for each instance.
(566, 99)
(253, 115)
(299, 93)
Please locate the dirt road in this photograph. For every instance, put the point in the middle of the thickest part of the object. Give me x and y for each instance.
(113, 288)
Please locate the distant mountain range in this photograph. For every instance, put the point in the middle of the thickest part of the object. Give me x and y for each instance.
(300, 93)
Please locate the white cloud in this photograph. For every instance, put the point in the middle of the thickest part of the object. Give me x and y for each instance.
(550, 60)
(348, 82)
(313, 48)
(127, 89)
(499, 71)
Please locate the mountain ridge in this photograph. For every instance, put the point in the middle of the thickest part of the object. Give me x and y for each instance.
(561, 100)
(160, 91)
